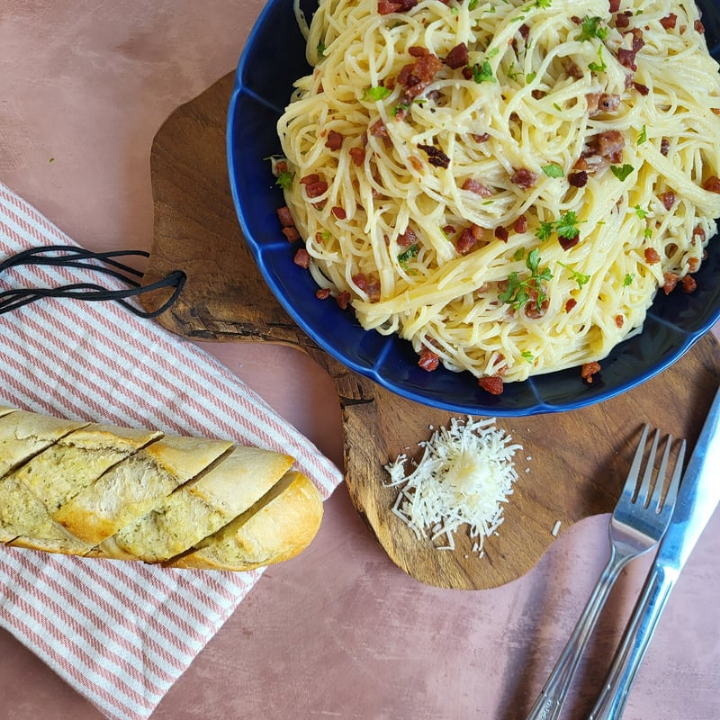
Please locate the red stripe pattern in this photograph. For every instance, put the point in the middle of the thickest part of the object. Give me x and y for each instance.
(119, 633)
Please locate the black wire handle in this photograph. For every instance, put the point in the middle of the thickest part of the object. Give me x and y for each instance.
(103, 262)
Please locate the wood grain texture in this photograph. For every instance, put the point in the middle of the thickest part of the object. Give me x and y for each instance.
(572, 465)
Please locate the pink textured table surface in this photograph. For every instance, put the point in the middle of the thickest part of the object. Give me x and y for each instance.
(339, 632)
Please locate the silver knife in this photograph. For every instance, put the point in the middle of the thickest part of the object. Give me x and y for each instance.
(698, 497)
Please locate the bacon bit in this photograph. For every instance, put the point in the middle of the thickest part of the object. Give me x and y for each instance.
(698, 234)
(670, 280)
(476, 187)
(524, 178)
(669, 21)
(316, 189)
(667, 199)
(570, 304)
(285, 216)
(664, 146)
(520, 225)
(468, 239)
(712, 184)
(627, 57)
(567, 243)
(449, 229)
(693, 265)
(343, 299)
(492, 385)
(619, 321)
(458, 57)
(573, 69)
(429, 360)
(532, 310)
(291, 233)
(416, 76)
(622, 20)
(614, 5)
(319, 238)
(436, 156)
(589, 371)
(416, 163)
(385, 7)
(501, 233)
(370, 287)
(302, 258)
(688, 284)
(602, 102)
(699, 27)
(322, 293)
(578, 179)
(610, 143)
(334, 140)
(339, 213)
(581, 165)
(480, 138)
(407, 238)
(715, 111)
(310, 179)
(357, 154)
(378, 129)
(651, 256)
(524, 31)
(642, 89)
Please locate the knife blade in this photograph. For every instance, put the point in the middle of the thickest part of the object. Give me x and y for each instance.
(698, 499)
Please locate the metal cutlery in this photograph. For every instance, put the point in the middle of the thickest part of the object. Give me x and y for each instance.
(698, 498)
(636, 526)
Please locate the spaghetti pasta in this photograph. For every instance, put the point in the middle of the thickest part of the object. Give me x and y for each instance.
(504, 184)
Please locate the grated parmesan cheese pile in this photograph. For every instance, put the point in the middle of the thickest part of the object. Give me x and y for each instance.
(465, 475)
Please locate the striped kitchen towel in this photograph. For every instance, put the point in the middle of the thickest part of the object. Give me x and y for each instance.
(119, 633)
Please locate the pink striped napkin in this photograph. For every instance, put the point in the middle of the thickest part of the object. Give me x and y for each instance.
(119, 633)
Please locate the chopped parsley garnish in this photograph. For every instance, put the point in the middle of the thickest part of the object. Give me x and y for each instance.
(628, 279)
(519, 291)
(405, 257)
(647, 233)
(483, 72)
(473, 4)
(601, 66)
(565, 227)
(590, 28)
(642, 137)
(519, 254)
(325, 235)
(375, 93)
(284, 180)
(530, 77)
(543, 4)
(527, 355)
(579, 277)
(621, 172)
(557, 107)
(512, 73)
(553, 170)
(640, 212)
(321, 49)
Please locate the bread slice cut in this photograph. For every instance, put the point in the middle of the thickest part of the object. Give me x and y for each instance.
(278, 527)
(136, 485)
(199, 508)
(56, 475)
(24, 434)
(5, 410)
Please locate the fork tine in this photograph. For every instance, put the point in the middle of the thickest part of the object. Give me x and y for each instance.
(643, 495)
(672, 491)
(657, 497)
(634, 472)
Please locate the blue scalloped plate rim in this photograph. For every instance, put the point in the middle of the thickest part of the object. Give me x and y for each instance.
(273, 58)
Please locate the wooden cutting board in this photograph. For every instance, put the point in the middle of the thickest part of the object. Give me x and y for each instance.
(572, 465)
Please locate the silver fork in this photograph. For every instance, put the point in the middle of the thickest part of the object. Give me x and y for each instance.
(636, 526)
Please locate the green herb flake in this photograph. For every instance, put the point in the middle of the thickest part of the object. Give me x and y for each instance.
(545, 230)
(375, 94)
(528, 356)
(566, 226)
(519, 254)
(591, 28)
(321, 49)
(483, 73)
(557, 107)
(284, 180)
(473, 4)
(642, 137)
(621, 172)
(518, 291)
(530, 77)
(647, 233)
(543, 4)
(580, 278)
(628, 279)
(640, 212)
(553, 170)
(405, 257)
(598, 67)
(325, 235)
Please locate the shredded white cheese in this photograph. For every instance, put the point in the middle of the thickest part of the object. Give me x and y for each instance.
(465, 475)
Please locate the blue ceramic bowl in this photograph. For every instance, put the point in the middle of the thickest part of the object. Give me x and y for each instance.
(274, 57)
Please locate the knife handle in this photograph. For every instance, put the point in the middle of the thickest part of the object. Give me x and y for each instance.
(634, 644)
